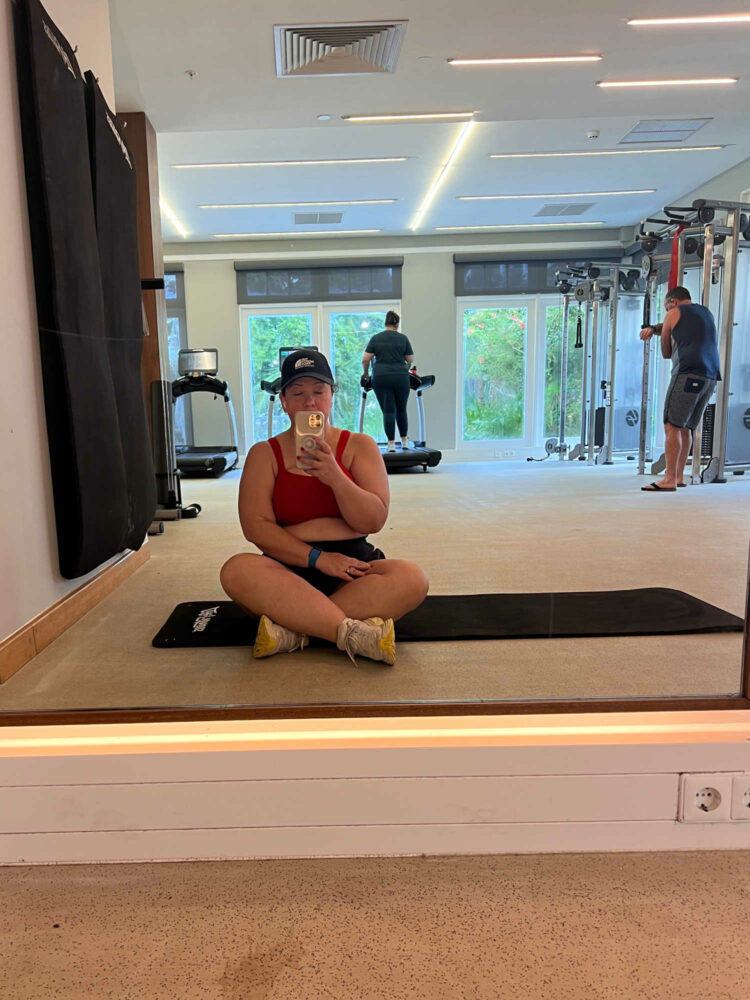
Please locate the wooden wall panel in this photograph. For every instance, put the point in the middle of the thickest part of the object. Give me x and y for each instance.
(141, 139)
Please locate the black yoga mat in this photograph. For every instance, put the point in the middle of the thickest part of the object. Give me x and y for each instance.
(647, 611)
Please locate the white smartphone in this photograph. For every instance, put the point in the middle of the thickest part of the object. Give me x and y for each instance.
(309, 428)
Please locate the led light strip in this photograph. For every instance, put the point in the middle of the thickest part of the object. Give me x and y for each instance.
(304, 232)
(704, 82)
(173, 218)
(605, 152)
(301, 204)
(645, 22)
(288, 163)
(409, 117)
(428, 198)
(568, 194)
(518, 225)
(501, 61)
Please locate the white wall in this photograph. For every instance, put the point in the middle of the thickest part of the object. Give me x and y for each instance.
(429, 307)
(30, 581)
(728, 186)
(85, 24)
(213, 321)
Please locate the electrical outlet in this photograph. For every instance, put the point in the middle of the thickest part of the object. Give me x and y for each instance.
(705, 798)
(741, 796)
(509, 453)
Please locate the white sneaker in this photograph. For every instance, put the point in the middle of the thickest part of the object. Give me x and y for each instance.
(273, 638)
(406, 444)
(391, 446)
(373, 637)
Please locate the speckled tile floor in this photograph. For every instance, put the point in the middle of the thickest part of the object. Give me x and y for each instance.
(546, 927)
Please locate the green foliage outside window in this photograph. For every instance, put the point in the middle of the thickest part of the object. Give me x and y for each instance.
(494, 373)
(350, 333)
(266, 335)
(554, 317)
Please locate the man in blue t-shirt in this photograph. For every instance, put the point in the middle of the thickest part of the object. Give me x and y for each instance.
(688, 337)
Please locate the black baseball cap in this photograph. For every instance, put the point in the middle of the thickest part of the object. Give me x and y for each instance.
(305, 364)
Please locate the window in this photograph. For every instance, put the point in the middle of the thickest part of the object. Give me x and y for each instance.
(341, 331)
(494, 372)
(349, 331)
(553, 369)
(266, 333)
(174, 292)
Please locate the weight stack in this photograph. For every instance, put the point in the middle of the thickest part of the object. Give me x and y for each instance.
(707, 431)
(599, 426)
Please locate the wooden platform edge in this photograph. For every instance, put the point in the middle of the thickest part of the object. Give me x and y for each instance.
(23, 645)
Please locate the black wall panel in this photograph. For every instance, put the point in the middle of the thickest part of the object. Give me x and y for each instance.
(114, 187)
(82, 340)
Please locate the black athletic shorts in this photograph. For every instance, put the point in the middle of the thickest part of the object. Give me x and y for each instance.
(356, 548)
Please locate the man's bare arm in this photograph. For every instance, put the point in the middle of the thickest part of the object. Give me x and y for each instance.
(670, 321)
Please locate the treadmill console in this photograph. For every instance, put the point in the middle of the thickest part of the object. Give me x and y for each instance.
(198, 361)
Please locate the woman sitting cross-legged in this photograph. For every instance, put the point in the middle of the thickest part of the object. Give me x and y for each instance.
(318, 575)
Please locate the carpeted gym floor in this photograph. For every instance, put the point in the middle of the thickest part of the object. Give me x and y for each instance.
(474, 528)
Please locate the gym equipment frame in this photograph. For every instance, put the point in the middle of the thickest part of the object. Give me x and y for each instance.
(729, 445)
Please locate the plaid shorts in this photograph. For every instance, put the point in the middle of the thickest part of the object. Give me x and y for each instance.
(686, 399)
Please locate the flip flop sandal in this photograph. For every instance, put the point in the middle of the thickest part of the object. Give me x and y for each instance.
(655, 488)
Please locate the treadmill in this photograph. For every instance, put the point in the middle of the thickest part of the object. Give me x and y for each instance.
(418, 453)
(198, 368)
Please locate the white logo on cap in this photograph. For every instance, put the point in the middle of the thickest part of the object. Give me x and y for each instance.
(304, 363)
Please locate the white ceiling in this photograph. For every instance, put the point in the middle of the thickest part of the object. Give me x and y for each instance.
(235, 108)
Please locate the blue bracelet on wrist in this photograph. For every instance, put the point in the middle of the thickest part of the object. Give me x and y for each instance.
(312, 558)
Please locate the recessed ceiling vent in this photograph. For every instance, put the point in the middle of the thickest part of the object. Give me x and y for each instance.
(662, 130)
(572, 208)
(315, 218)
(338, 49)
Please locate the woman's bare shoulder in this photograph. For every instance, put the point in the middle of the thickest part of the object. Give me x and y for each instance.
(361, 444)
(260, 456)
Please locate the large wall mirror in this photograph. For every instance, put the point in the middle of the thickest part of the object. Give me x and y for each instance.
(524, 253)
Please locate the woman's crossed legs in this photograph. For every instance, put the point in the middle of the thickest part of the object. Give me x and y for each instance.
(263, 586)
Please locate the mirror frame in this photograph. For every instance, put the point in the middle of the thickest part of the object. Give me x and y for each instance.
(338, 710)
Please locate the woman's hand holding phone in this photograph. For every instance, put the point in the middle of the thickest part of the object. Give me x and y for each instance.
(320, 462)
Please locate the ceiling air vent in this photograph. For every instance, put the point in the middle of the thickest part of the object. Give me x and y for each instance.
(315, 218)
(338, 49)
(673, 130)
(572, 208)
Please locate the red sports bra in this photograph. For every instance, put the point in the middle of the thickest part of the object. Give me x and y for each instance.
(302, 498)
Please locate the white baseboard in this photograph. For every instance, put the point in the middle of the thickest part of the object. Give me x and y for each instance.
(139, 846)
(117, 801)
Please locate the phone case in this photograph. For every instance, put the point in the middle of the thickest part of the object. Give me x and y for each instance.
(309, 428)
